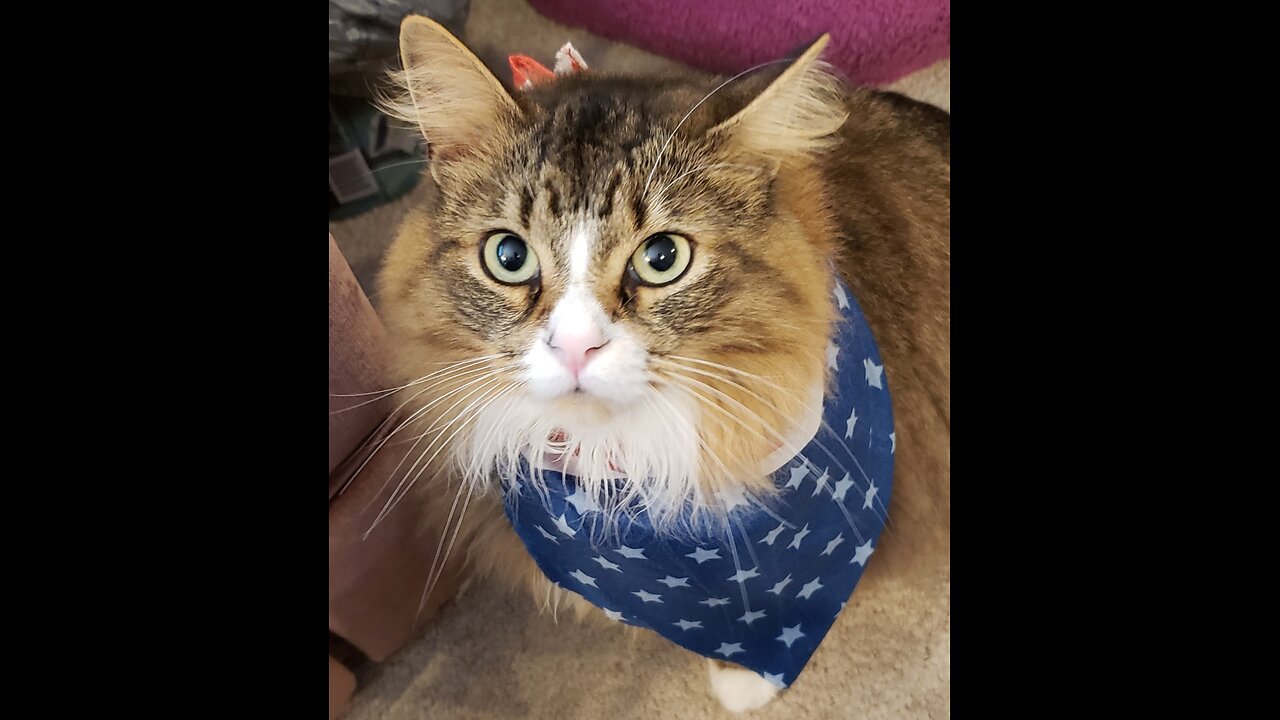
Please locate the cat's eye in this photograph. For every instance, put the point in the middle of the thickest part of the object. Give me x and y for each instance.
(509, 259)
(661, 259)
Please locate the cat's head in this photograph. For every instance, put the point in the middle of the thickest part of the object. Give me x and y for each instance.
(632, 275)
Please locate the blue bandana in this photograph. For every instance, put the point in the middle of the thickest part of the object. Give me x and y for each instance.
(765, 591)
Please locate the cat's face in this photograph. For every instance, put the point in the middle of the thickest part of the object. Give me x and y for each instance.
(645, 290)
(569, 252)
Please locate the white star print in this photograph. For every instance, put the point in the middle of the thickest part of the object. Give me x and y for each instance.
(790, 634)
(582, 502)
(647, 597)
(547, 535)
(687, 625)
(873, 373)
(776, 679)
(727, 649)
(606, 564)
(751, 616)
(822, 483)
(795, 541)
(810, 588)
(832, 351)
(704, 555)
(832, 545)
(773, 535)
(851, 423)
(893, 438)
(632, 553)
(842, 487)
(862, 553)
(563, 526)
(673, 582)
(614, 615)
(777, 589)
(744, 575)
(842, 300)
(584, 578)
(712, 602)
(871, 493)
(798, 474)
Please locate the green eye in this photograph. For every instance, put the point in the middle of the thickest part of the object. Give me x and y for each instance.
(661, 259)
(508, 259)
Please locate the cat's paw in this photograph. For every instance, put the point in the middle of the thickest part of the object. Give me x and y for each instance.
(738, 689)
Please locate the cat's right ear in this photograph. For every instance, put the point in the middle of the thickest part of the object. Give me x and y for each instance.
(446, 90)
(796, 115)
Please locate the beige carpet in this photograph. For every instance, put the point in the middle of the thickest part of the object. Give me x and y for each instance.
(495, 656)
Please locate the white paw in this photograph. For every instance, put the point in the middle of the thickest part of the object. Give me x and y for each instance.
(740, 690)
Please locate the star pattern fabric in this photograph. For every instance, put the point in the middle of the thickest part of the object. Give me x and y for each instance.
(764, 590)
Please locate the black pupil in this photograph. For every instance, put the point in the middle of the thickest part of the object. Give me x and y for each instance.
(660, 253)
(512, 253)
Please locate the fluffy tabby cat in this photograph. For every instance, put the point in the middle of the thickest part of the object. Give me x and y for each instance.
(609, 265)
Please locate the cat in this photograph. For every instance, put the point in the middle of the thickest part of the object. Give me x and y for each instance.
(629, 279)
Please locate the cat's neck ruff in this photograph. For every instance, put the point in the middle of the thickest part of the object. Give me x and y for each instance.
(763, 588)
(799, 434)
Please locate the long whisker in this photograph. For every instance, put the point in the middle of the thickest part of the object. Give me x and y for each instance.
(662, 191)
(424, 378)
(414, 416)
(799, 453)
(391, 417)
(825, 425)
(670, 137)
(391, 391)
(436, 425)
(487, 402)
(444, 561)
(420, 411)
(473, 469)
(848, 518)
(440, 545)
(396, 494)
(679, 378)
(712, 454)
(737, 565)
(415, 382)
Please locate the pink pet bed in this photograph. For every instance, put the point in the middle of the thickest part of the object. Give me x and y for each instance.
(874, 42)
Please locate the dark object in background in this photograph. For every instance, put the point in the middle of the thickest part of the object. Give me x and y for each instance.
(372, 159)
(364, 37)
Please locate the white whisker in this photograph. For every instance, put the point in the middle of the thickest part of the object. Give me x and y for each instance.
(445, 561)
(718, 88)
(470, 416)
(816, 441)
(419, 412)
(391, 391)
(395, 413)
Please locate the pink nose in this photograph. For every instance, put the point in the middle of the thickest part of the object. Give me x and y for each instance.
(575, 346)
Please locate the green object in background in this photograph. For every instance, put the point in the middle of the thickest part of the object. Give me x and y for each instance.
(372, 158)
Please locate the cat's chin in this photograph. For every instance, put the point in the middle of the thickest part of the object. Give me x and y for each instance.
(583, 406)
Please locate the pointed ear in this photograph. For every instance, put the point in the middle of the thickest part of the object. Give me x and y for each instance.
(796, 114)
(445, 89)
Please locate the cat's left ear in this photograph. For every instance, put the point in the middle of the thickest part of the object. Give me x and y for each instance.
(796, 114)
